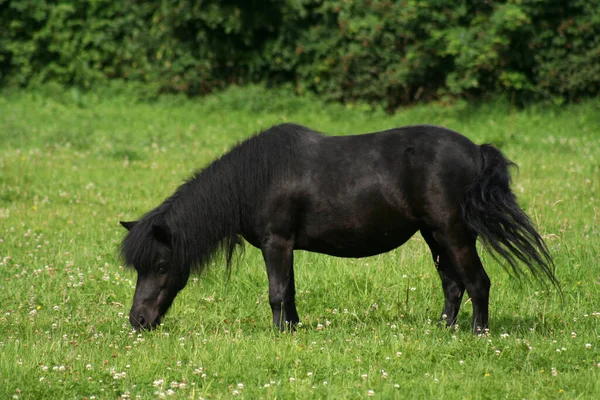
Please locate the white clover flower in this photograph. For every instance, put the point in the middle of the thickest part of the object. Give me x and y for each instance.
(158, 382)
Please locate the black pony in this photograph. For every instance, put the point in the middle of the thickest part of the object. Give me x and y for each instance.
(289, 188)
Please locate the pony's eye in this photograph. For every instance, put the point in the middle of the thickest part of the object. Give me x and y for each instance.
(162, 269)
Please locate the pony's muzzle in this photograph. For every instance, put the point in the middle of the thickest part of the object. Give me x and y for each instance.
(141, 319)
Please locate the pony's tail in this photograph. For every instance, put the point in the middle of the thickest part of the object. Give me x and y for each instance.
(491, 211)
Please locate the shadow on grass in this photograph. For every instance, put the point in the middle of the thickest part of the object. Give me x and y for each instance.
(511, 324)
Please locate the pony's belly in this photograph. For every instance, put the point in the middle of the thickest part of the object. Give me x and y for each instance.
(355, 245)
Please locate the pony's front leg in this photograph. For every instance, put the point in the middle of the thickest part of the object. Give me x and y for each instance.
(278, 253)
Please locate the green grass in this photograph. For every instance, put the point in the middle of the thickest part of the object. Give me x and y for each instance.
(70, 170)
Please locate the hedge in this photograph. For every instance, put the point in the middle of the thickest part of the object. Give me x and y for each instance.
(377, 51)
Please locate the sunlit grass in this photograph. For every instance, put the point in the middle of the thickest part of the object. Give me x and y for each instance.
(69, 173)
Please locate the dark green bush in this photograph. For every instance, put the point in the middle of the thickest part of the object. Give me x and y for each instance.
(376, 51)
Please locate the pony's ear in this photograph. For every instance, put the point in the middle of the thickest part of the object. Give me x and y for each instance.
(128, 225)
(162, 233)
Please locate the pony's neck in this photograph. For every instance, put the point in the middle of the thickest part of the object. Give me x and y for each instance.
(208, 212)
(205, 214)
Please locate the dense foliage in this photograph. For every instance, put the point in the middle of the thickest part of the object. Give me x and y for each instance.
(378, 51)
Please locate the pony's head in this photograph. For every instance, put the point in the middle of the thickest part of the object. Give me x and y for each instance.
(159, 278)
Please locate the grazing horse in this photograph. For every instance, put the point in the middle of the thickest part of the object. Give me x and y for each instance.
(290, 188)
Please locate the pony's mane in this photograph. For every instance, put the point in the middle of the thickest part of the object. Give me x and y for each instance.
(207, 213)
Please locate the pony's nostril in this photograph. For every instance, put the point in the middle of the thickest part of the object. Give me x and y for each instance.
(137, 321)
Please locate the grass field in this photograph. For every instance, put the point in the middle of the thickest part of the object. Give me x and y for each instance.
(72, 166)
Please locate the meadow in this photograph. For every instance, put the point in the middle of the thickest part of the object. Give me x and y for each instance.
(73, 165)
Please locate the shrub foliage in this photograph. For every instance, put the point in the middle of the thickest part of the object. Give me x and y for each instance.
(377, 51)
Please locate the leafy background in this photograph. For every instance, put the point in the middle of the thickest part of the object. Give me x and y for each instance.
(381, 52)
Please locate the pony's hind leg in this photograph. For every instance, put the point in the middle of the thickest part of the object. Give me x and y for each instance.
(460, 247)
(278, 254)
(451, 282)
